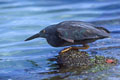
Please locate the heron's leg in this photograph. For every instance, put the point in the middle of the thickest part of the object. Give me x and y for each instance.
(85, 46)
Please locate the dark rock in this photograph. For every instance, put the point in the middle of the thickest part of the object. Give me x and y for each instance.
(74, 58)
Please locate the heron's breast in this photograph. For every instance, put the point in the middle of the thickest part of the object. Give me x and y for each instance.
(55, 41)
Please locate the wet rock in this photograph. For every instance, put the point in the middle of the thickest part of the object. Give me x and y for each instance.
(74, 58)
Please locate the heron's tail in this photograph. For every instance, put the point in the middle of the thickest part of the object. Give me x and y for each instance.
(102, 28)
(113, 31)
(33, 37)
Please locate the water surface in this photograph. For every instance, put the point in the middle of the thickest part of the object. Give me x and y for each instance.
(20, 19)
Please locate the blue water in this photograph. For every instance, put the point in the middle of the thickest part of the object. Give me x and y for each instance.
(20, 19)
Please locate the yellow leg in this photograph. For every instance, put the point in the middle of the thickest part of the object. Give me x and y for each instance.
(75, 48)
(66, 49)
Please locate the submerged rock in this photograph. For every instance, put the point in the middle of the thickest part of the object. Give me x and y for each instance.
(74, 62)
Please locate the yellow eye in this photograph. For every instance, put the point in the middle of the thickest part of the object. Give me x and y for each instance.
(43, 31)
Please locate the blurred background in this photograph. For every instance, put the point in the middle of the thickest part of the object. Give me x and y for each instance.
(20, 19)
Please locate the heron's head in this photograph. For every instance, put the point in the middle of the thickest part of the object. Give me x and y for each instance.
(45, 33)
(42, 34)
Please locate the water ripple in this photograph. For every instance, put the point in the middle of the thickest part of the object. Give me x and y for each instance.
(20, 19)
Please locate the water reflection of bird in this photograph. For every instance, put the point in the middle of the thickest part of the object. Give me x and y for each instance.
(71, 33)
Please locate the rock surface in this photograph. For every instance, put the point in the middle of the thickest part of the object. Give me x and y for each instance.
(75, 58)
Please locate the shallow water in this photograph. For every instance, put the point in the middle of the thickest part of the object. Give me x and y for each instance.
(20, 19)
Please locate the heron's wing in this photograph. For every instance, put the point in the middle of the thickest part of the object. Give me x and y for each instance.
(72, 33)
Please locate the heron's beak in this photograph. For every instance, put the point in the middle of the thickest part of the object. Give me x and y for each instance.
(33, 37)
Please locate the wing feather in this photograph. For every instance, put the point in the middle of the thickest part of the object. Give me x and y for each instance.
(80, 33)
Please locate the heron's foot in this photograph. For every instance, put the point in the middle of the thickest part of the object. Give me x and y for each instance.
(74, 48)
(67, 49)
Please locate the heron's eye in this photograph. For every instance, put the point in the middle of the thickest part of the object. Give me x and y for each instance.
(43, 31)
